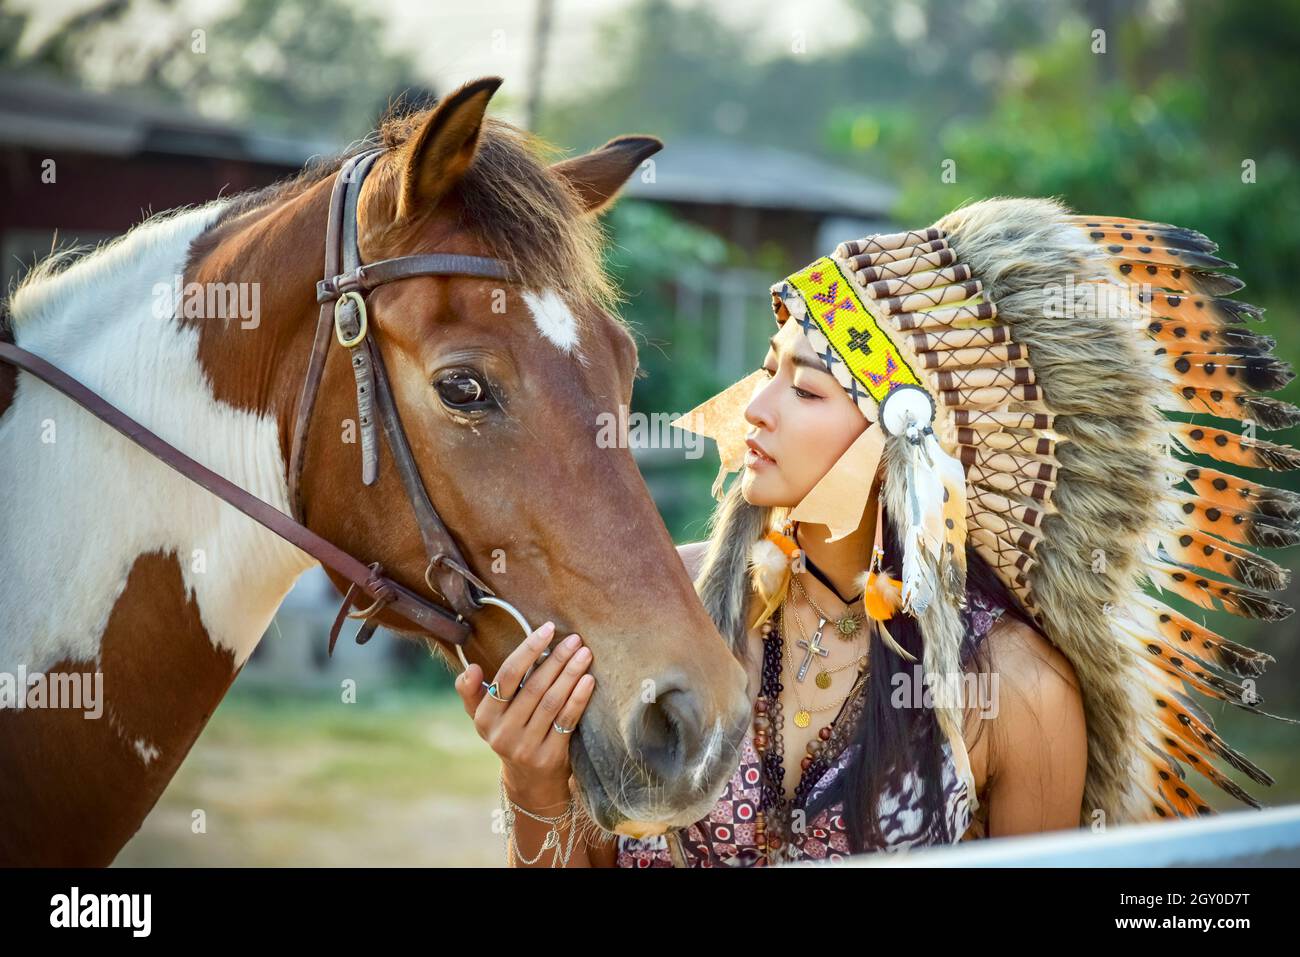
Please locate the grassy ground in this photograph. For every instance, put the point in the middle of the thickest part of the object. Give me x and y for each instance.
(400, 780)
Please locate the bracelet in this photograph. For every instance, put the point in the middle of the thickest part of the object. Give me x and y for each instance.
(552, 839)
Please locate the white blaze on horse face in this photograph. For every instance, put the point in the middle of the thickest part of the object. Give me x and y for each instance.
(553, 318)
(79, 503)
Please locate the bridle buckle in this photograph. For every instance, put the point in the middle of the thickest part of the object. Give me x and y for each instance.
(350, 342)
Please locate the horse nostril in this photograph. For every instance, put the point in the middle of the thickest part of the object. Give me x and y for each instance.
(666, 732)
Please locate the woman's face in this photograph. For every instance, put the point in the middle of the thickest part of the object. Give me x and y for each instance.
(802, 420)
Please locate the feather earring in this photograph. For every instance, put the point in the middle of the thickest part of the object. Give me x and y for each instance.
(882, 593)
(772, 559)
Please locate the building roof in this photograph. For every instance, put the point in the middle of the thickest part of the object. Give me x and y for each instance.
(726, 172)
(42, 113)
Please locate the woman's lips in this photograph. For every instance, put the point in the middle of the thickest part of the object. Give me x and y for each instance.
(756, 457)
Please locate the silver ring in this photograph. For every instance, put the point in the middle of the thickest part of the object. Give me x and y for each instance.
(556, 726)
(492, 690)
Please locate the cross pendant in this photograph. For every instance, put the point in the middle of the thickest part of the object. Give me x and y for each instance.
(815, 648)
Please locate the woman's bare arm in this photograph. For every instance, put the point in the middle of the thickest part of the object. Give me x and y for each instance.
(588, 850)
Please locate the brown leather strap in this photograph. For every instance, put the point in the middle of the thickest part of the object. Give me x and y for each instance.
(346, 181)
(411, 606)
(438, 543)
(365, 278)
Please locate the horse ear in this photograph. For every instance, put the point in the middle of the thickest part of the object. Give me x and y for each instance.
(439, 154)
(600, 174)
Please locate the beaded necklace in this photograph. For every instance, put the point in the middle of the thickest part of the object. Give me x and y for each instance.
(772, 822)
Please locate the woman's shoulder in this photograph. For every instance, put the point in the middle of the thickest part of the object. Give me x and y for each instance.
(1026, 656)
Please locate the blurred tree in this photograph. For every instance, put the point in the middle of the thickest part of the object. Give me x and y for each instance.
(648, 252)
(308, 65)
(303, 66)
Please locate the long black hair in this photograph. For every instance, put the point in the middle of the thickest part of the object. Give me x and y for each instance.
(892, 740)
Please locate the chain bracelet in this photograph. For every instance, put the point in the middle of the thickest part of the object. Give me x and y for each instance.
(552, 839)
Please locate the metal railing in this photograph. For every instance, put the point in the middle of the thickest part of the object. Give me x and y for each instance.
(1267, 838)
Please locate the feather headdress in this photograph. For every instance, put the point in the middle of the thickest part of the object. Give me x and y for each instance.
(1019, 362)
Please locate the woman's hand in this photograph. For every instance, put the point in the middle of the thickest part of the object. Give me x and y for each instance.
(534, 756)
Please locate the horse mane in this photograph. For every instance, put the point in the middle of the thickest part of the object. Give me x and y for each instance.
(527, 216)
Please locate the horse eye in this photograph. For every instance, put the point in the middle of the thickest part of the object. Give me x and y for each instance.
(463, 391)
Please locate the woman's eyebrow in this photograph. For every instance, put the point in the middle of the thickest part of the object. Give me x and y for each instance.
(817, 365)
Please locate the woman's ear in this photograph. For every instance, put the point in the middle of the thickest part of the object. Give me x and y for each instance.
(436, 157)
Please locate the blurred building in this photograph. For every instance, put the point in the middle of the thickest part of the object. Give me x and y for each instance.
(79, 167)
(764, 195)
(754, 197)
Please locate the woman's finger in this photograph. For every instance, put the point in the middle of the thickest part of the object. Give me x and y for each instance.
(570, 715)
(511, 672)
(469, 685)
(535, 685)
(553, 701)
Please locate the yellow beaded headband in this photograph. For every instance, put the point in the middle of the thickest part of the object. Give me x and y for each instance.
(841, 329)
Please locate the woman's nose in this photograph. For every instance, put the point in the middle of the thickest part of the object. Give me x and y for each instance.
(758, 412)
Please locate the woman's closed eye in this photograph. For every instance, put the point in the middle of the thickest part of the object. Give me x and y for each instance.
(801, 393)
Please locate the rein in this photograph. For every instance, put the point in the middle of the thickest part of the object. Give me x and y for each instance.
(343, 317)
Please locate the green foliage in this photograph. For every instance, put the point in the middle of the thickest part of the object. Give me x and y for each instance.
(649, 250)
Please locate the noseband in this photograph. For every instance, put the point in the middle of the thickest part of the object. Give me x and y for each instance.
(343, 316)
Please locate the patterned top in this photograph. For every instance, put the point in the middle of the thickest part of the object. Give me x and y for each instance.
(726, 836)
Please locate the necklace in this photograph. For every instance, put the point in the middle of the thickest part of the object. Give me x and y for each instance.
(772, 831)
(802, 715)
(846, 625)
(814, 647)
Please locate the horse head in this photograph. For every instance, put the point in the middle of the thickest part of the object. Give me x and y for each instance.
(504, 389)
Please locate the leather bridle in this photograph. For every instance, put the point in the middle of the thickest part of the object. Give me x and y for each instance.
(343, 316)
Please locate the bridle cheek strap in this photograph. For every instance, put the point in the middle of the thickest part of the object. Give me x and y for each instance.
(343, 316)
